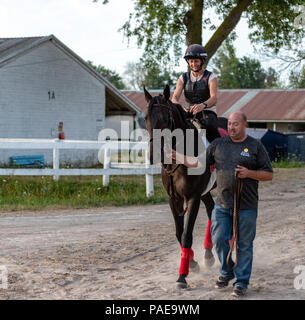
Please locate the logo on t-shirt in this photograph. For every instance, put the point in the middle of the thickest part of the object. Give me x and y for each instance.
(245, 153)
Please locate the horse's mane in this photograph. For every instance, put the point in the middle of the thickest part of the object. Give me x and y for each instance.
(157, 100)
(182, 114)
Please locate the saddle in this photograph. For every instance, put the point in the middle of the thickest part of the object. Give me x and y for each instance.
(198, 122)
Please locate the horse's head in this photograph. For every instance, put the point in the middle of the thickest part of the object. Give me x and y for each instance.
(166, 125)
(159, 116)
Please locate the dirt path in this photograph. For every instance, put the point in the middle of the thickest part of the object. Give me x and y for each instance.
(132, 253)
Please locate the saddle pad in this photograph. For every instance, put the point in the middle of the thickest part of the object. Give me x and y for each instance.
(211, 183)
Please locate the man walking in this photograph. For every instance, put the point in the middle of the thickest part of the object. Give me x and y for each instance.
(241, 155)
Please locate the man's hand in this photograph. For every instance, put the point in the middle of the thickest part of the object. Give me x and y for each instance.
(241, 172)
(260, 175)
(188, 161)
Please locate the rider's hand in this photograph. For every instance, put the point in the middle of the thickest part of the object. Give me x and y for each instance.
(197, 108)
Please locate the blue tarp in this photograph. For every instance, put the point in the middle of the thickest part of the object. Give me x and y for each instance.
(276, 143)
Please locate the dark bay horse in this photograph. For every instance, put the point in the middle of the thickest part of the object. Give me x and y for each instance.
(181, 187)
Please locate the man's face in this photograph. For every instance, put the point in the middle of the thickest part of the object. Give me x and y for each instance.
(194, 64)
(236, 126)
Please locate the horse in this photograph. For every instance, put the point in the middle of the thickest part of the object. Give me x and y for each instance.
(181, 187)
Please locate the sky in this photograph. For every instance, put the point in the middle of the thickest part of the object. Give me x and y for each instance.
(90, 29)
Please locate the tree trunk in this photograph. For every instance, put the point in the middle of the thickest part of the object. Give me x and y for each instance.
(193, 23)
(226, 27)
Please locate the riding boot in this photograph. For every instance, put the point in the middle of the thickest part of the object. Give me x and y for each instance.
(185, 261)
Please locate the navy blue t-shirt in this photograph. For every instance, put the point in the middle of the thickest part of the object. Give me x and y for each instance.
(226, 155)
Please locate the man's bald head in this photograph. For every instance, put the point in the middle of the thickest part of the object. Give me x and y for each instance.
(237, 124)
(238, 114)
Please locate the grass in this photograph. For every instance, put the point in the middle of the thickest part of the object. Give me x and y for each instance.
(289, 163)
(20, 193)
(35, 193)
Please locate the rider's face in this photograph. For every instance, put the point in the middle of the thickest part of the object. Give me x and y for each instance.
(194, 64)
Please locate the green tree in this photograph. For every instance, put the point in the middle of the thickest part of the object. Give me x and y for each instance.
(163, 26)
(273, 79)
(137, 75)
(297, 79)
(250, 73)
(110, 75)
(225, 65)
(235, 73)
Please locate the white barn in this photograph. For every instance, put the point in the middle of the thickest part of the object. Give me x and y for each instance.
(43, 82)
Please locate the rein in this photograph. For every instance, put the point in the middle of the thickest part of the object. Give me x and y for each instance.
(238, 185)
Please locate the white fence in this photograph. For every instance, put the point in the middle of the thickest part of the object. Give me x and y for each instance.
(104, 146)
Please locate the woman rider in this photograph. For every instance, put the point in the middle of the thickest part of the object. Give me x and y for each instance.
(200, 90)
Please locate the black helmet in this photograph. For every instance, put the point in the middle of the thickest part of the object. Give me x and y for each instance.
(195, 51)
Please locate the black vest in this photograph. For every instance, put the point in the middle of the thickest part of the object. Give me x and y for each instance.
(198, 91)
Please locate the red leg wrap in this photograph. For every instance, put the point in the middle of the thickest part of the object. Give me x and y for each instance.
(185, 261)
(208, 244)
(191, 252)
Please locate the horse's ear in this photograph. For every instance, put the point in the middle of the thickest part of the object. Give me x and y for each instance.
(148, 97)
(166, 92)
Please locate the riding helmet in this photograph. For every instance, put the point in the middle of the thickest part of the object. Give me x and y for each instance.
(195, 51)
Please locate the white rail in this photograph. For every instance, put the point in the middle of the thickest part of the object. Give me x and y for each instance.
(104, 146)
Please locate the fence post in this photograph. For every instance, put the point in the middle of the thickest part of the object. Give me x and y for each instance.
(56, 160)
(107, 156)
(149, 177)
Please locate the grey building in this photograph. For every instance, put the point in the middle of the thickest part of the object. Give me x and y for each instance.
(43, 83)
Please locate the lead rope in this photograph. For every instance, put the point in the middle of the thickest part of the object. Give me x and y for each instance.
(236, 215)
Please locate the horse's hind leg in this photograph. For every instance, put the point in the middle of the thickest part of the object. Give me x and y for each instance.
(208, 245)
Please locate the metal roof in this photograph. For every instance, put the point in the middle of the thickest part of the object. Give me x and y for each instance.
(258, 104)
(276, 105)
(12, 48)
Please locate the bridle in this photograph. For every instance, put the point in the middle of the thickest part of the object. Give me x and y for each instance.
(171, 125)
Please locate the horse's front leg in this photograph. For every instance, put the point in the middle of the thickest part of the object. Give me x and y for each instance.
(176, 205)
(187, 254)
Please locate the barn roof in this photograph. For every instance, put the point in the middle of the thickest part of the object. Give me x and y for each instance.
(12, 48)
(260, 105)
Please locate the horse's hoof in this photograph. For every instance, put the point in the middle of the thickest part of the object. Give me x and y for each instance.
(209, 259)
(181, 282)
(194, 266)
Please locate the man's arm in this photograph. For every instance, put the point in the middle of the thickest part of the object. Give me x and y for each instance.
(188, 161)
(193, 162)
(259, 175)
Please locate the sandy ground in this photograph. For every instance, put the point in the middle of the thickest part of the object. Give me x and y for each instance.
(132, 253)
